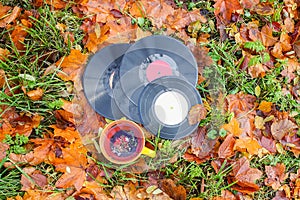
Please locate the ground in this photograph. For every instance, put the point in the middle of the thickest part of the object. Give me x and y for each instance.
(248, 141)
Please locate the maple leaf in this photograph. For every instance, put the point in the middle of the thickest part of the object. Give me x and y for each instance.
(226, 148)
(245, 176)
(240, 103)
(225, 8)
(196, 114)
(282, 127)
(93, 188)
(276, 175)
(233, 127)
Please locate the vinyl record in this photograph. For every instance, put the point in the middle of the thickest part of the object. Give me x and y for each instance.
(153, 57)
(164, 105)
(99, 79)
(129, 109)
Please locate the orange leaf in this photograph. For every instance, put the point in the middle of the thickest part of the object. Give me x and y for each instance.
(226, 148)
(249, 145)
(36, 176)
(2, 76)
(73, 176)
(264, 9)
(18, 35)
(11, 17)
(70, 134)
(267, 37)
(196, 114)
(282, 127)
(3, 148)
(225, 8)
(3, 54)
(240, 103)
(233, 127)
(42, 194)
(36, 94)
(93, 188)
(93, 41)
(265, 106)
(73, 61)
(276, 175)
(249, 4)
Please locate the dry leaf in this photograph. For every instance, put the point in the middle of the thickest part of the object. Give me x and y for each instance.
(3, 55)
(3, 148)
(39, 180)
(175, 192)
(233, 127)
(265, 106)
(247, 144)
(36, 94)
(226, 148)
(245, 176)
(2, 77)
(276, 175)
(282, 127)
(240, 103)
(11, 17)
(196, 114)
(73, 176)
(264, 9)
(225, 8)
(268, 144)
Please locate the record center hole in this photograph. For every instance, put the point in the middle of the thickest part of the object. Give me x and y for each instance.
(171, 108)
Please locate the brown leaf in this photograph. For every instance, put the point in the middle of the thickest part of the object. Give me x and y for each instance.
(282, 127)
(73, 176)
(248, 4)
(37, 179)
(280, 195)
(3, 148)
(93, 188)
(226, 148)
(245, 176)
(3, 54)
(233, 127)
(225, 8)
(196, 114)
(175, 192)
(43, 194)
(11, 17)
(36, 94)
(265, 106)
(268, 144)
(264, 9)
(18, 35)
(267, 37)
(276, 175)
(58, 4)
(240, 103)
(2, 77)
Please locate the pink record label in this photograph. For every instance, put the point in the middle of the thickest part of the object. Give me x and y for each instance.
(158, 69)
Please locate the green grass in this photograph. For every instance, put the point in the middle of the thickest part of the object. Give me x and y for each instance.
(44, 45)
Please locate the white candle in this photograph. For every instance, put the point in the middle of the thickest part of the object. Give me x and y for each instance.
(171, 108)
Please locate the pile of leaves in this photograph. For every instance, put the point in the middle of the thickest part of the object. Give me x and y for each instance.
(248, 138)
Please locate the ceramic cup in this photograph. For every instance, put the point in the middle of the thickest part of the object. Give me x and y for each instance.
(123, 141)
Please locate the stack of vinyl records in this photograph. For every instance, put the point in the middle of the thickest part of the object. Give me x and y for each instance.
(151, 82)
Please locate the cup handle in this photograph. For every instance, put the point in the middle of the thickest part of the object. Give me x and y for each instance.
(148, 152)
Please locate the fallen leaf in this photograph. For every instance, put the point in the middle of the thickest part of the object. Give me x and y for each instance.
(92, 188)
(175, 192)
(245, 176)
(280, 195)
(36, 94)
(249, 145)
(226, 148)
(282, 127)
(268, 144)
(259, 122)
(240, 103)
(265, 106)
(264, 9)
(225, 8)
(3, 54)
(43, 194)
(196, 114)
(19, 34)
(3, 148)
(249, 4)
(10, 17)
(37, 179)
(73, 176)
(276, 175)
(233, 127)
(2, 76)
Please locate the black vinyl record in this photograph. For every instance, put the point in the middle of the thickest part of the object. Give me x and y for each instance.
(100, 77)
(129, 109)
(164, 105)
(153, 57)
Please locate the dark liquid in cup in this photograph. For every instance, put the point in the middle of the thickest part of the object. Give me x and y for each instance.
(123, 143)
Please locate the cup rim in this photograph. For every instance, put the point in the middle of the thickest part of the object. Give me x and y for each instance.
(104, 133)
